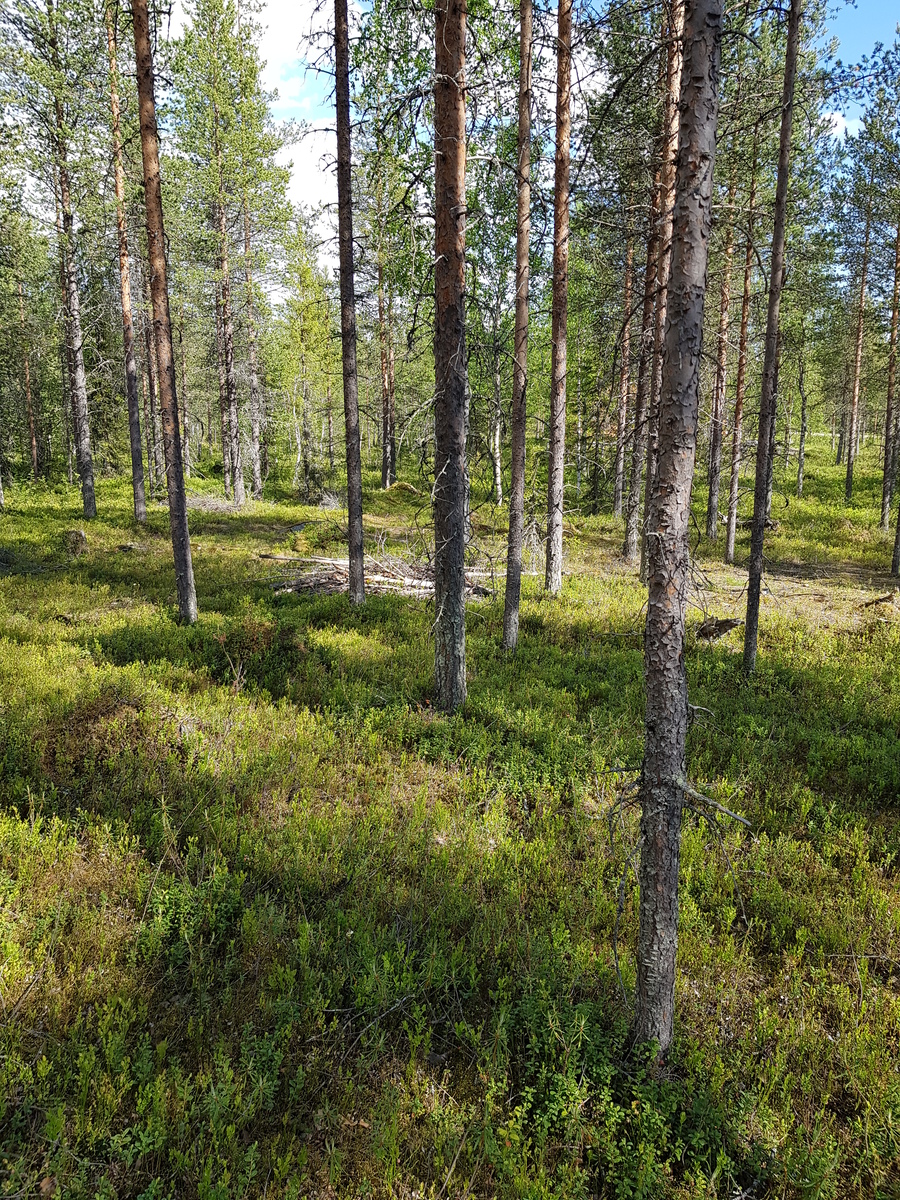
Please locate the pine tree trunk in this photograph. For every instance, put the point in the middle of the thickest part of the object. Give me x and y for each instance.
(853, 426)
(348, 305)
(78, 379)
(890, 421)
(224, 412)
(388, 473)
(451, 388)
(741, 384)
(256, 484)
(639, 432)
(624, 379)
(719, 389)
(518, 409)
(231, 398)
(156, 242)
(150, 350)
(804, 416)
(664, 767)
(131, 386)
(184, 398)
(669, 150)
(29, 406)
(328, 401)
(770, 362)
(560, 302)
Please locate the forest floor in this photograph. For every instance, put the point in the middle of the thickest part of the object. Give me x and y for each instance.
(272, 927)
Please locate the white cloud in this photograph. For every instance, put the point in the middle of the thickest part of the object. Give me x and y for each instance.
(841, 125)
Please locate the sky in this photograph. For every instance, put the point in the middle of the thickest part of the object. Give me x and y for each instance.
(306, 97)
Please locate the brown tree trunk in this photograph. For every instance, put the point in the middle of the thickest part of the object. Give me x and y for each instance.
(664, 767)
(156, 242)
(741, 385)
(150, 351)
(516, 534)
(624, 380)
(770, 362)
(224, 412)
(719, 389)
(231, 398)
(639, 431)
(131, 386)
(804, 413)
(348, 305)
(451, 387)
(890, 421)
(853, 427)
(29, 406)
(256, 483)
(560, 303)
(184, 398)
(669, 150)
(78, 378)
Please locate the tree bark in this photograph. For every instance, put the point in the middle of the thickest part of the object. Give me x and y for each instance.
(770, 362)
(804, 414)
(451, 385)
(184, 397)
(624, 380)
(156, 241)
(518, 408)
(639, 433)
(234, 430)
(388, 434)
(131, 385)
(348, 304)
(78, 379)
(560, 302)
(718, 405)
(853, 425)
(224, 413)
(664, 767)
(156, 466)
(669, 151)
(890, 421)
(256, 483)
(29, 406)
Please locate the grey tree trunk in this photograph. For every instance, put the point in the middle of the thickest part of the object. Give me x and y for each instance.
(156, 242)
(357, 582)
(804, 415)
(853, 425)
(890, 417)
(624, 381)
(717, 422)
(560, 304)
(231, 397)
(256, 483)
(664, 767)
(770, 362)
(223, 400)
(518, 413)
(29, 405)
(131, 387)
(451, 385)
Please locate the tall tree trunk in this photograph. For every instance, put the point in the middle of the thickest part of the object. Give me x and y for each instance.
(184, 397)
(224, 412)
(741, 384)
(804, 413)
(150, 351)
(770, 362)
(83, 455)
(719, 390)
(496, 422)
(639, 432)
(156, 242)
(890, 421)
(853, 426)
(256, 483)
(518, 408)
(330, 407)
(770, 461)
(29, 406)
(131, 385)
(624, 379)
(664, 767)
(348, 305)
(451, 385)
(560, 303)
(234, 429)
(669, 151)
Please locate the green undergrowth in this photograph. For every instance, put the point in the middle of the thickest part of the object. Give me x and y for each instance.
(271, 926)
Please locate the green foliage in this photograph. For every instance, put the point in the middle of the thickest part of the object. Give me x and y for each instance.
(271, 926)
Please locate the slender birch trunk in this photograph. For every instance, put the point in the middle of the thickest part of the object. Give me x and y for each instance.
(770, 363)
(131, 386)
(348, 305)
(451, 384)
(156, 243)
(664, 766)
(518, 410)
(560, 304)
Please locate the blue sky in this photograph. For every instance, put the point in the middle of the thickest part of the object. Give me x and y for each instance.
(859, 28)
